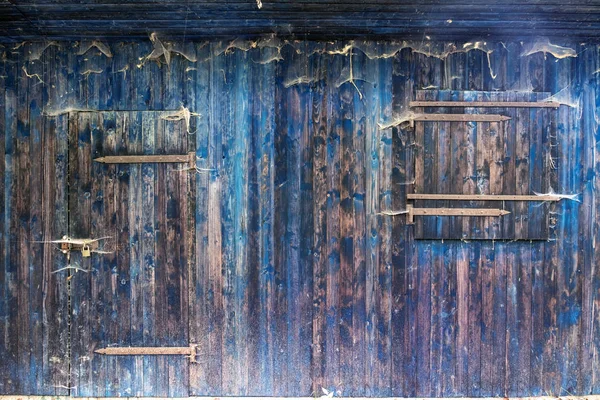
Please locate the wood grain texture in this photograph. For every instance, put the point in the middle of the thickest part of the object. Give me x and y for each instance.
(273, 256)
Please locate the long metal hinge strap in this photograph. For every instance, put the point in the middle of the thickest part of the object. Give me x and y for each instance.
(189, 158)
(482, 197)
(190, 351)
(496, 104)
(462, 117)
(454, 212)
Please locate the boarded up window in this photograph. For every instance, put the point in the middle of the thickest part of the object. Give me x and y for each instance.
(513, 157)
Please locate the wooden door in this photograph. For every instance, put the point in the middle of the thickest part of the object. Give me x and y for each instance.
(137, 295)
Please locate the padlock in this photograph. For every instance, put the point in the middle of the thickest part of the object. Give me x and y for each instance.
(85, 250)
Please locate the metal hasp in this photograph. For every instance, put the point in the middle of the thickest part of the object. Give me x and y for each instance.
(190, 351)
(482, 197)
(454, 212)
(462, 117)
(496, 104)
(189, 158)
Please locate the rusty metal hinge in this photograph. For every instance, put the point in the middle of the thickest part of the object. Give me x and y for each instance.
(190, 352)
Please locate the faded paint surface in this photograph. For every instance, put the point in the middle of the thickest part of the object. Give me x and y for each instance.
(279, 263)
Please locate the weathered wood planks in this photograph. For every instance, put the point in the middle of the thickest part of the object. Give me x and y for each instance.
(273, 257)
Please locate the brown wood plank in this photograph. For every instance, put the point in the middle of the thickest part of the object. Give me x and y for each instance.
(462, 317)
(199, 291)
(79, 226)
(177, 237)
(136, 275)
(475, 320)
(522, 130)
(320, 230)
(55, 318)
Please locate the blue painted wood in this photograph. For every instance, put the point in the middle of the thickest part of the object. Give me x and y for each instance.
(295, 282)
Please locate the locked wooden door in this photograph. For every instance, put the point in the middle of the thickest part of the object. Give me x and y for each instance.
(136, 294)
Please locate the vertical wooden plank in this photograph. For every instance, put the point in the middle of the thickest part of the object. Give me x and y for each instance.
(493, 153)
(384, 276)
(55, 300)
(229, 377)
(147, 383)
(523, 129)
(372, 190)
(449, 318)
(306, 242)
(423, 158)
(402, 173)
(537, 213)
(348, 96)
(551, 382)
(319, 127)
(462, 318)
(35, 104)
(436, 333)
(10, 333)
(503, 261)
(458, 169)
(332, 302)
(518, 308)
(121, 369)
(291, 123)
(242, 129)
(424, 316)
(199, 283)
(255, 328)
(595, 282)
(444, 167)
(513, 370)
(161, 310)
(79, 227)
(524, 305)
(4, 322)
(214, 245)
(475, 320)
(488, 360)
(98, 283)
(537, 319)
(134, 248)
(266, 166)
(470, 226)
(21, 229)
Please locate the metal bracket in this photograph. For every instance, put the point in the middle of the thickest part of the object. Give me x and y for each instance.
(453, 212)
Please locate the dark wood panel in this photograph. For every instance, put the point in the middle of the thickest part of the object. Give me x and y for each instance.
(275, 247)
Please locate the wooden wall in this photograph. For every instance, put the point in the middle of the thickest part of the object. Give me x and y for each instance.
(297, 282)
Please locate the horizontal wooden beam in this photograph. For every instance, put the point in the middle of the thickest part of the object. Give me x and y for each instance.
(454, 212)
(189, 158)
(498, 104)
(482, 197)
(461, 117)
